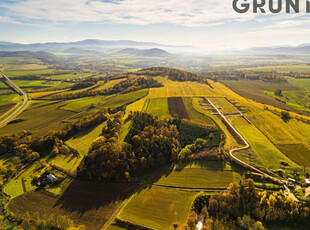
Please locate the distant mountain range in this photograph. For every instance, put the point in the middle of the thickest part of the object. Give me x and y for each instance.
(41, 55)
(90, 44)
(155, 52)
(303, 48)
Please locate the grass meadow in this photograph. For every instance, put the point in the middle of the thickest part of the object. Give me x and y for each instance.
(203, 175)
(158, 107)
(158, 208)
(195, 115)
(266, 152)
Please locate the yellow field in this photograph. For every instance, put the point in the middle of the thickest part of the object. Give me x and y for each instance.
(45, 94)
(109, 84)
(180, 89)
(26, 67)
(280, 68)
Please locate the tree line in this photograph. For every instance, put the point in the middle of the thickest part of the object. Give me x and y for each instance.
(133, 83)
(248, 208)
(174, 74)
(248, 75)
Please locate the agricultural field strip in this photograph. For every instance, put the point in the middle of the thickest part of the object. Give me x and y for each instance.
(242, 163)
(21, 107)
(118, 211)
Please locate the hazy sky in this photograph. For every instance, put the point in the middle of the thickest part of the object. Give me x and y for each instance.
(202, 23)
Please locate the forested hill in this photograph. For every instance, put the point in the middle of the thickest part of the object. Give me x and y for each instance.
(173, 74)
(45, 57)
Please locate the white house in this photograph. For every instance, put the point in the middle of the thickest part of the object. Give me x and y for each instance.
(51, 177)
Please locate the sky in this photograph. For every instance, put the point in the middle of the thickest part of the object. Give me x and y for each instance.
(198, 23)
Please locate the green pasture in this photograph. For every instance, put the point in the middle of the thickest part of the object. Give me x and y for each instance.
(266, 152)
(16, 73)
(82, 142)
(205, 174)
(223, 105)
(39, 118)
(82, 104)
(302, 83)
(297, 152)
(124, 99)
(158, 208)
(195, 115)
(158, 107)
(41, 84)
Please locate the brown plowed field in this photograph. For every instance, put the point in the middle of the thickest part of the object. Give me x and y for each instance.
(176, 106)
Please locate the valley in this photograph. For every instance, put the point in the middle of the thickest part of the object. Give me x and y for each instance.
(143, 148)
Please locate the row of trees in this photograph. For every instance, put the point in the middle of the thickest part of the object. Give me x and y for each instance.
(245, 205)
(200, 150)
(133, 83)
(174, 74)
(249, 75)
(52, 222)
(84, 84)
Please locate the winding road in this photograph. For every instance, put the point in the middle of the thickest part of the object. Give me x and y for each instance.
(247, 145)
(19, 108)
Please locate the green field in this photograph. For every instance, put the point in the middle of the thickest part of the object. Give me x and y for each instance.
(280, 68)
(224, 106)
(39, 118)
(278, 131)
(8, 99)
(82, 142)
(124, 99)
(158, 208)
(16, 73)
(15, 188)
(265, 151)
(297, 152)
(302, 83)
(158, 107)
(255, 90)
(109, 84)
(194, 115)
(125, 129)
(82, 104)
(69, 76)
(41, 84)
(298, 99)
(203, 175)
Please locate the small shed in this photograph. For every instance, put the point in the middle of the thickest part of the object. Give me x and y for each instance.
(291, 180)
(51, 177)
(307, 181)
(307, 194)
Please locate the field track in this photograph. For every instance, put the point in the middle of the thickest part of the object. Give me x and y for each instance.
(238, 161)
(21, 107)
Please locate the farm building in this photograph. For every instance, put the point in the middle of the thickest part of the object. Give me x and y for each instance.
(291, 180)
(51, 177)
(307, 194)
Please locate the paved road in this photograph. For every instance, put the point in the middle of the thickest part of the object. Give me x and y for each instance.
(247, 145)
(21, 107)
